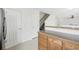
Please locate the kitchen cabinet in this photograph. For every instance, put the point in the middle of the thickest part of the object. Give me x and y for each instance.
(77, 46)
(42, 42)
(68, 45)
(52, 42)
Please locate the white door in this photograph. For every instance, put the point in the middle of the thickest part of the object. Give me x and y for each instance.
(13, 19)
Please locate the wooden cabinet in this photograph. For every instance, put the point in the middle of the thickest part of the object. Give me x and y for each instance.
(77, 46)
(68, 45)
(42, 41)
(54, 43)
(51, 42)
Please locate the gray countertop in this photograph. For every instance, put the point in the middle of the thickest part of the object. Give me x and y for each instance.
(63, 35)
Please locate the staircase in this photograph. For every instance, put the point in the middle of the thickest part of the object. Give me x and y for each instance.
(42, 21)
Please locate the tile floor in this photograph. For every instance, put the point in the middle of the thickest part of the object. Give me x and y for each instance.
(29, 45)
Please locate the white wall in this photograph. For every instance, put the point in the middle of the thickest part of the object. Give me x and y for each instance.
(62, 16)
(22, 25)
(51, 21)
(65, 21)
(30, 23)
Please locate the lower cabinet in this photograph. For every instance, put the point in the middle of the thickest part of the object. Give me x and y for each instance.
(54, 43)
(77, 46)
(42, 41)
(68, 45)
(47, 42)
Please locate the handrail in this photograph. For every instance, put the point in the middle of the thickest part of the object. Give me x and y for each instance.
(43, 19)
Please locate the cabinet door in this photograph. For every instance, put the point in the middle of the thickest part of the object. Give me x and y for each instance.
(54, 43)
(68, 45)
(42, 41)
(76, 46)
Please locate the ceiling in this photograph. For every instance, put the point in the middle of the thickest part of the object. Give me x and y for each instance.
(61, 12)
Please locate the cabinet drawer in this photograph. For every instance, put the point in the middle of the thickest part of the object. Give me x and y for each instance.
(56, 40)
(54, 47)
(54, 44)
(68, 45)
(76, 46)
